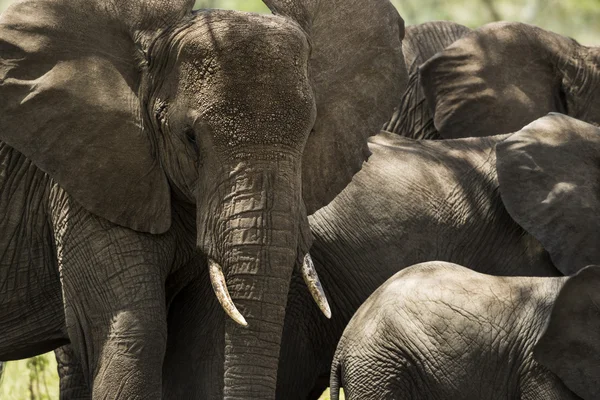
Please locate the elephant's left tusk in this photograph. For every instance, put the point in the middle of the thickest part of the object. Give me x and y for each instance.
(314, 285)
(220, 288)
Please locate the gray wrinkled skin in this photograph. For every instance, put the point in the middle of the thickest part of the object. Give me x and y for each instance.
(504, 75)
(441, 331)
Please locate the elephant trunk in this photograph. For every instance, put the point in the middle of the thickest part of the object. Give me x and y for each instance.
(252, 352)
(253, 238)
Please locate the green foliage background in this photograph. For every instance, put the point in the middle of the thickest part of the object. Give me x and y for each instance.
(36, 378)
(578, 19)
(33, 378)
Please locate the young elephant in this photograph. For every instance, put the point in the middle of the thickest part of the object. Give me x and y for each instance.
(437, 330)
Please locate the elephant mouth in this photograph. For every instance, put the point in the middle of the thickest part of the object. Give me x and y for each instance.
(307, 270)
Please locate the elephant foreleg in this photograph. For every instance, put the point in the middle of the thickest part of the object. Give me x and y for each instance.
(73, 385)
(113, 282)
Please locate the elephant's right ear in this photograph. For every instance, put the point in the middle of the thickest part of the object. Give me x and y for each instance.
(70, 77)
(570, 345)
(549, 176)
(357, 71)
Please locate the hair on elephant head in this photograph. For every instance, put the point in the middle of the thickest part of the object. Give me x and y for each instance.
(257, 119)
(439, 330)
(502, 76)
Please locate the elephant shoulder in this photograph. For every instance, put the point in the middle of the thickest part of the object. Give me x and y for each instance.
(442, 290)
(392, 148)
(441, 167)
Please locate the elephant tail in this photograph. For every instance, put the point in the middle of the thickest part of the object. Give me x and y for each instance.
(335, 379)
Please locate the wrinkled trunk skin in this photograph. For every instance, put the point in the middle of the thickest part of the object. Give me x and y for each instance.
(253, 235)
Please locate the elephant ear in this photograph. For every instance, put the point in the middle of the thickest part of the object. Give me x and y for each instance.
(423, 41)
(549, 176)
(70, 76)
(495, 80)
(413, 117)
(357, 71)
(570, 346)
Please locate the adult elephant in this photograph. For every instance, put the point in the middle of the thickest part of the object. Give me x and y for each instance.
(137, 134)
(498, 78)
(439, 330)
(501, 205)
(412, 117)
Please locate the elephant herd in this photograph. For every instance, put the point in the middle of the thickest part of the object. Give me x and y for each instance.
(172, 180)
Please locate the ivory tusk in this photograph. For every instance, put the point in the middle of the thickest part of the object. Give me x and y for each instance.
(220, 287)
(314, 285)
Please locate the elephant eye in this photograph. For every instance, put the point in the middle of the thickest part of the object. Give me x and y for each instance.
(190, 136)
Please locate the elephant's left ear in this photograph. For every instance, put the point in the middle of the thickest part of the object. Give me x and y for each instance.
(549, 175)
(357, 71)
(570, 345)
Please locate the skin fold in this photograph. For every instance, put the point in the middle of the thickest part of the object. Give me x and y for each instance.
(438, 330)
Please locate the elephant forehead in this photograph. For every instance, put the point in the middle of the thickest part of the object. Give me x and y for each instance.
(244, 41)
(246, 77)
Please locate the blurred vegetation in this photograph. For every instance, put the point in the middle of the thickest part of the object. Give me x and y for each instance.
(31, 379)
(575, 18)
(36, 378)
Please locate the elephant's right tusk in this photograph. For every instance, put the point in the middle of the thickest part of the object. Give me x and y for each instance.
(220, 287)
(314, 285)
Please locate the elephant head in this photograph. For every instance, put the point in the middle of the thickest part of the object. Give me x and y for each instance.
(257, 119)
(502, 76)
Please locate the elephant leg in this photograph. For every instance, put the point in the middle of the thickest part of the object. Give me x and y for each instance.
(321, 384)
(193, 365)
(308, 343)
(113, 282)
(73, 385)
